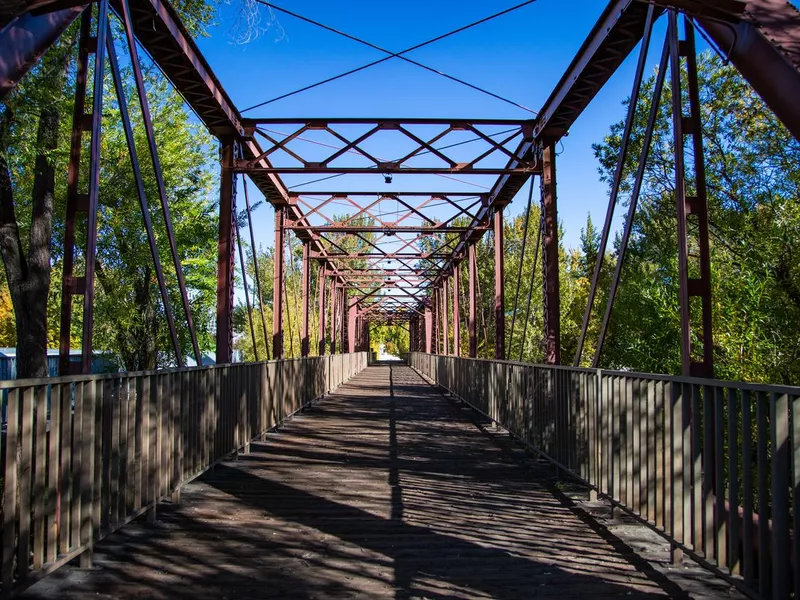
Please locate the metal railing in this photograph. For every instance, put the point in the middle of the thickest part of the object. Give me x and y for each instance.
(712, 466)
(84, 455)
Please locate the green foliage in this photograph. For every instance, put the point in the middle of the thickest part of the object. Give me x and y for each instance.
(753, 184)
(129, 318)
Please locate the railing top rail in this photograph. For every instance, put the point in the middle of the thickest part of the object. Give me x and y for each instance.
(41, 381)
(739, 385)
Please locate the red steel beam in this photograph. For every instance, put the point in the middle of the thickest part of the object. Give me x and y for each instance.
(456, 313)
(473, 301)
(765, 47)
(277, 286)
(499, 288)
(305, 344)
(26, 38)
(224, 254)
(552, 297)
(322, 283)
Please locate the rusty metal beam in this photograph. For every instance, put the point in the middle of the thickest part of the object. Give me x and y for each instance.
(499, 288)
(765, 47)
(614, 36)
(550, 263)
(224, 256)
(76, 203)
(305, 343)
(25, 39)
(473, 300)
(278, 283)
(322, 283)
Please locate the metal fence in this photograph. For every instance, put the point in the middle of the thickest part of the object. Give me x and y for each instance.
(111, 447)
(713, 466)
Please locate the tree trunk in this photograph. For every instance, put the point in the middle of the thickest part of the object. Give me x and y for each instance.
(29, 278)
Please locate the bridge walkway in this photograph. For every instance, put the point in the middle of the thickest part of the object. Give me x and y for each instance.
(384, 489)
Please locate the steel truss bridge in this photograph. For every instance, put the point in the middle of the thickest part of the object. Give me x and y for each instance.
(392, 256)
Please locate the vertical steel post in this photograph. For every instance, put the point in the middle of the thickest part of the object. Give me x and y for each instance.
(76, 202)
(499, 292)
(687, 205)
(278, 284)
(445, 319)
(436, 308)
(334, 302)
(352, 324)
(305, 344)
(473, 300)
(456, 311)
(322, 308)
(94, 186)
(224, 256)
(429, 329)
(552, 301)
(84, 203)
(343, 319)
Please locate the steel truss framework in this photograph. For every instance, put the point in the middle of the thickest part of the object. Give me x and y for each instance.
(392, 257)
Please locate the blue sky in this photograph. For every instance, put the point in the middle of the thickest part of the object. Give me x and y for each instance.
(520, 56)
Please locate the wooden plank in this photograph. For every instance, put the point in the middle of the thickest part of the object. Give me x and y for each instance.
(10, 479)
(779, 428)
(708, 471)
(694, 516)
(65, 467)
(720, 522)
(77, 465)
(762, 466)
(675, 457)
(748, 566)
(123, 404)
(25, 480)
(114, 400)
(105, 456)
(86, 477)
(141, 440)
(100, 402)
(150, 437)
(53, 474)
(159, 454)
(40, 478)
(795, 408)
(734, 556)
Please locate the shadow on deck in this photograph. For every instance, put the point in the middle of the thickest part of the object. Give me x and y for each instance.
(384, 489)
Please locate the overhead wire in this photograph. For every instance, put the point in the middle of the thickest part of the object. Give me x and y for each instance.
(396, 55)
(391, 56)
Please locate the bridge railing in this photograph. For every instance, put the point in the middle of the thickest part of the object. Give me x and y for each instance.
(713, 466)
(84, 455)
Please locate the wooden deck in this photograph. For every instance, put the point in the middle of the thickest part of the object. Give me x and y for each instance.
(384, 489)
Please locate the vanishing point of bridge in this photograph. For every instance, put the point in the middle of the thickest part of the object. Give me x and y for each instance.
(445, 475)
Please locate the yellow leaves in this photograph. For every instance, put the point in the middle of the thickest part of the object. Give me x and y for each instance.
(8, 330)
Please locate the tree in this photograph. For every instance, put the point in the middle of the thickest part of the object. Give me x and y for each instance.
(28, 166)
(753, 184)
(34, 143)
